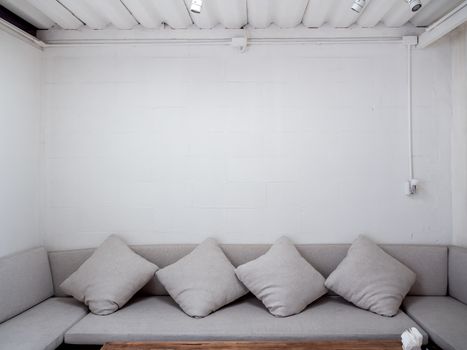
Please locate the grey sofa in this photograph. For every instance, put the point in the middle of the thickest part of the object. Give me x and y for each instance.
(34, 313)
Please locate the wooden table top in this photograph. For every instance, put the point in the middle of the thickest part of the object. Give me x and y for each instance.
(259, 345)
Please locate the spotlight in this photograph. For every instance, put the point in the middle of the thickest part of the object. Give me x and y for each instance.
(196, 6)
(358, 5)
(415, 5)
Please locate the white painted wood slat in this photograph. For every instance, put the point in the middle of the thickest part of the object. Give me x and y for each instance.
(144, 12)
(401, 14)
(430, 14)
(115, 12)
(285, 14)
(58, 13)
(229, 13)
(174, 13)
(317, 13)
(342, 16)
(25, 10)
(86, 13)
(375, 11)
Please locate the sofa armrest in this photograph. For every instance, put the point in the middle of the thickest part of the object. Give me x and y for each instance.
(25, 281)
(458, 273)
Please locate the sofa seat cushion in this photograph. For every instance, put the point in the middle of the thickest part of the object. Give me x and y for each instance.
(43, 326)
(160, 319)
(443, 318)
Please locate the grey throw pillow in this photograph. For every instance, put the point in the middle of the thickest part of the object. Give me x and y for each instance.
(109, 278)
(371, 279)
(282, 279)
(202, 281)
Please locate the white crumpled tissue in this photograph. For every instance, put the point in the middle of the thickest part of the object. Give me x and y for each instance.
(412, 339)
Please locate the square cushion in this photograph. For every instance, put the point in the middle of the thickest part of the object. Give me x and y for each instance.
(371, 278)
(202, 281)
(282, 279)
(110, 277)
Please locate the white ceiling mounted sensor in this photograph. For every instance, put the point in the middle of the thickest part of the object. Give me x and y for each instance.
(196, 6)
(415, 5)
(358, 5)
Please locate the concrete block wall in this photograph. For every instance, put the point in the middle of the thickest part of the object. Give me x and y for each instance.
(178, 143)
(20, 145)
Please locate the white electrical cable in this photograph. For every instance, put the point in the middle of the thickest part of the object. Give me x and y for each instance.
(409, 109)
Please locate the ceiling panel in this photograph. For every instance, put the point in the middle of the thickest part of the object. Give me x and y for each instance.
(57, 13)
(208, 18)
(375, 11)
(289, 14)
(317, 12)
(400, 14)
(285, 14)
(430, 14)
(231, 14)
(87, 14)
(260, 13)
(144, 12)
(174, 13)
(342, 16)
(115, 12)
(25, 10)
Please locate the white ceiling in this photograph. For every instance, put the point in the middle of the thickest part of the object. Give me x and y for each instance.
(230, 14)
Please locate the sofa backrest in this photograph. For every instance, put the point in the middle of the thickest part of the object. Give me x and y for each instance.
(430, 263)
(458, 273)
(25, 281)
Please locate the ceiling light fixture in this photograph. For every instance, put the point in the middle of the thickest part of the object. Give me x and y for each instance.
(415, 5)
(196, 6)
(358, 5)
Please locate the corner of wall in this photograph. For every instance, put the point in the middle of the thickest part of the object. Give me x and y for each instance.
(42, 151)
(459, 135)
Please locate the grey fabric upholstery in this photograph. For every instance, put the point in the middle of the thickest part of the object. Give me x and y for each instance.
(282, 279)
(202, 281)
(43, 326)
(443, 318)
(428, 262)
(159, 318)
(110, 277)
(458, 273)
(371, 279)
(25, 281)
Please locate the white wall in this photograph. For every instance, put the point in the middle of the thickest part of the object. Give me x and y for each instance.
(459, 135)
(20, 85)
(177, 143)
